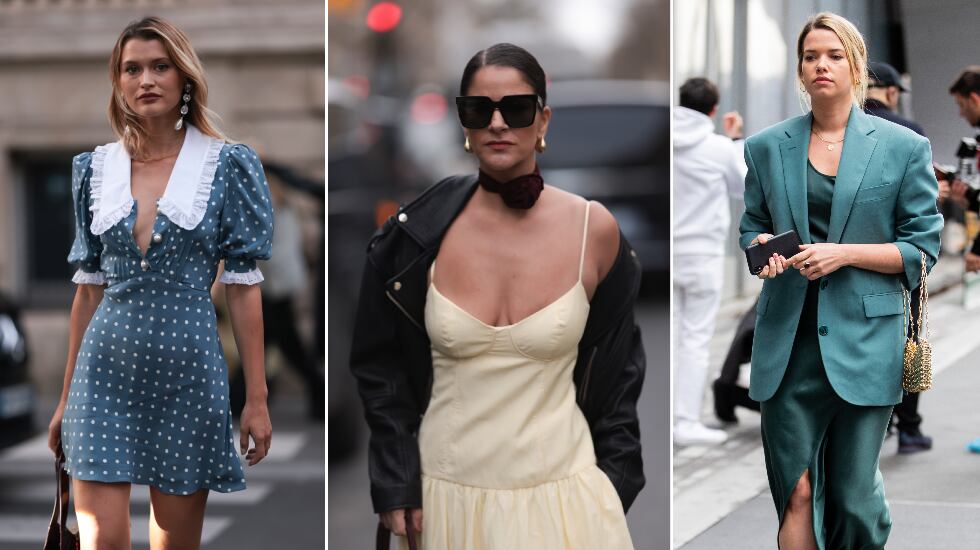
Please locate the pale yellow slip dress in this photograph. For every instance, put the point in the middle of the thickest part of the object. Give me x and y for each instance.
(507, 457)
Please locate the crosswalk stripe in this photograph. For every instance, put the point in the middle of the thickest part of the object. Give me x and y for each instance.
(32, 528)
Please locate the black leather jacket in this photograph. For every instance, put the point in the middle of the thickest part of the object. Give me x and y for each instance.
(392, 360)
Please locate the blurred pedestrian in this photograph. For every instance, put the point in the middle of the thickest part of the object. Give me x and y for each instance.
(519, 345)
(827, 354)
(966, 92)
(708, 171)
(145, 396)
(285, 280)
(884, 90)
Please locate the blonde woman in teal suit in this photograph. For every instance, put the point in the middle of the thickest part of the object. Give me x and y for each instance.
(827, 356)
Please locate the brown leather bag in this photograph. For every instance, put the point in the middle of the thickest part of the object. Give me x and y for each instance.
(383, 541)
(59, 536)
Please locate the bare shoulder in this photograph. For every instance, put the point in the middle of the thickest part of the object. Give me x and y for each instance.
(603, 237)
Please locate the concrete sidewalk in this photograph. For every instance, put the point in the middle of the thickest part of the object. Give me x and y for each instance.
(721, 497)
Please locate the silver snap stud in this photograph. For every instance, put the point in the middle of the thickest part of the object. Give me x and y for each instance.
(403, 217)
(397, 285)
(157, 238)
(144, 265)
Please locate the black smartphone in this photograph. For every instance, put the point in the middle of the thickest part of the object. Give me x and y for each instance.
(785, 244)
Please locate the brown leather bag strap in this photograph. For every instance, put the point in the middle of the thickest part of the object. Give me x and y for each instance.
(383, 539)
(58, 538)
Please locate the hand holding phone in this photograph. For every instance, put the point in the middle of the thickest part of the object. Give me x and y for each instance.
(758, 255)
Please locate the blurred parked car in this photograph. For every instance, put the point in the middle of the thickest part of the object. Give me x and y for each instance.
(16, 393)
(609, 141)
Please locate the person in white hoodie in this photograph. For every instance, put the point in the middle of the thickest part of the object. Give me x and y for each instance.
(708, 170)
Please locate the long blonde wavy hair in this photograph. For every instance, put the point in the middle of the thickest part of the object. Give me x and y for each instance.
(124, 121)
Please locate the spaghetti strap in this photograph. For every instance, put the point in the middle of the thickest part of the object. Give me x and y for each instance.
(432, 271)
(585, 235)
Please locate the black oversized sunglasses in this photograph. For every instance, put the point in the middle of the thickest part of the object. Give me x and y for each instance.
(476, 111)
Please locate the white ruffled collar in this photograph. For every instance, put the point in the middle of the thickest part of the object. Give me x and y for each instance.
(188, 191)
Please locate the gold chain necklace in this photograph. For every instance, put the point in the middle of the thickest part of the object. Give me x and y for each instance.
(830, 144)
(171, 155)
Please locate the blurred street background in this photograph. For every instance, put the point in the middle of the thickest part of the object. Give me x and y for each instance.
(264, 64)
(394, 70)
(748, 47)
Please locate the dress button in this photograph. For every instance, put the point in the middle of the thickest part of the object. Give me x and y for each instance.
(144, 265)
(157, 238)
(823, 330)
(403, 217)
(823, 284)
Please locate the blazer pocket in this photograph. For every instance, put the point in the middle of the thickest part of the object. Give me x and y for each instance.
(872, 194)
(880, 305)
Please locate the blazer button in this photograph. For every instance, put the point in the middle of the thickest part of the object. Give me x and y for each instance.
(157, 238)
(397, 285)
(144, 265)
(403, 217)
(823, 330)
(823, 284)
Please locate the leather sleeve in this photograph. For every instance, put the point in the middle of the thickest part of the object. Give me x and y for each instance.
(614, 391)
(390, 407)
(611, 378)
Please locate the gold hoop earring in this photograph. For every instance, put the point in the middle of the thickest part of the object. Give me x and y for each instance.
(540, 146)
(466, 145)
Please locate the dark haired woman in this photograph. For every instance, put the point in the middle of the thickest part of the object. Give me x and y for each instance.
(475, 311)
(145, 398)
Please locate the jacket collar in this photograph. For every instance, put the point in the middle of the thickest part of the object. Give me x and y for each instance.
(187, 193)
(859, 145)
(427, 218)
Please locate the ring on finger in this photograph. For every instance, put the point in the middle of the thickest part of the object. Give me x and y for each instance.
(806, 264)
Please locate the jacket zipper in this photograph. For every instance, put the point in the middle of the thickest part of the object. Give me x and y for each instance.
(585, 379)
(402, 309)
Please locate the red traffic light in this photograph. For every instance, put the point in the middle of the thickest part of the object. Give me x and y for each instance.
(384, 16)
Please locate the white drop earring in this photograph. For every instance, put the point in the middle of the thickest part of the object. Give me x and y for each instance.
(184, 108)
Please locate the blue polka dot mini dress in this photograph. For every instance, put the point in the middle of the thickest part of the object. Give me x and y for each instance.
(148, 401)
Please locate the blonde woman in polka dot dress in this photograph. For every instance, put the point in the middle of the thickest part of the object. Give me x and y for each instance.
(146, 384)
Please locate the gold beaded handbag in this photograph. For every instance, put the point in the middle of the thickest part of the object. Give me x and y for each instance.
(917, 372)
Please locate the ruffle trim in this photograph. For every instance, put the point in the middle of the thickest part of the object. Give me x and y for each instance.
(103, 220)
(248, 278)
(199, 207)
(85, 278)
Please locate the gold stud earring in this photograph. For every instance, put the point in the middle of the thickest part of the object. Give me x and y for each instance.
(466, 145)
(540, 146)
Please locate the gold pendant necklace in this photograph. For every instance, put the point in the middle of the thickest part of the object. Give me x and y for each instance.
(830, 144)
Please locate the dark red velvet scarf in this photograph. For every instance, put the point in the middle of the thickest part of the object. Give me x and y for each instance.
(521, 192)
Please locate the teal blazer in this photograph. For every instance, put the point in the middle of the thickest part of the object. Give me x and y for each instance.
(885, 192)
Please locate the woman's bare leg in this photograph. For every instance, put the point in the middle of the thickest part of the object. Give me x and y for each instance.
(176, 521)
(102, 510)
(796, 532)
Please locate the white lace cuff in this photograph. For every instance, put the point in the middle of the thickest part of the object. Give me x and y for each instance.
(85, 278)
(248, 278)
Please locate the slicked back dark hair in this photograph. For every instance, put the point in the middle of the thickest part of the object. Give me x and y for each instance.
(507, 55)
(699, 94)
(968, 82)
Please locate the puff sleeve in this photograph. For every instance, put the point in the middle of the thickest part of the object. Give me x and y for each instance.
(246, 218)
(86, 250)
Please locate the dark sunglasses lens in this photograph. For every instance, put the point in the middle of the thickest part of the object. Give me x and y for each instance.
(518, 111)
(474, 112)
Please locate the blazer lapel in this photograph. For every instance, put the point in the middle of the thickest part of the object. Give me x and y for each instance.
(793, 152)
(858, 148)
